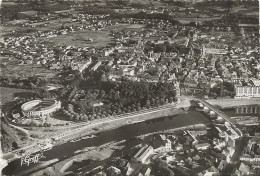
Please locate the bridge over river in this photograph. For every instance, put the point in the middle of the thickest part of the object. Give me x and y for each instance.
(215, 111)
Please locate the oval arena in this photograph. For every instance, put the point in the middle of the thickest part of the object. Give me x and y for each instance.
(40, 108)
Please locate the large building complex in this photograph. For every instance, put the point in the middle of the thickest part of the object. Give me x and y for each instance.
(247, 91)
(40, 108)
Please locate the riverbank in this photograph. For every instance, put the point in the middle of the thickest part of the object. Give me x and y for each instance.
(117, 123)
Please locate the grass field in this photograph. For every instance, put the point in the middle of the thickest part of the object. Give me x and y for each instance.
(27, 70)
(100, 38)
(126, 26)
(7, 94)
(198, 20)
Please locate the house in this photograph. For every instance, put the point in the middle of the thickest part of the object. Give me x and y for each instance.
(243, 169)
(211, 171)
(203, 146)
(170, 158)
(231, 132)
(221, 131)
(113, 170)
(143, 153)
(128, 72)
(228, 152)
(231, 142)
(83, 66)
(95, 67)
(109, 51)
(146, 172)
(17, 115)
(220, 145)
(101, 173)
(129, 169)
(161, 144)
(194, 134)
(221, 164)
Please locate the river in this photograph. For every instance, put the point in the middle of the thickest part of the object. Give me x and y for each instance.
(66, 150)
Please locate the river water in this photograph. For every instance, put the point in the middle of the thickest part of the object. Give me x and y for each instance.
(66, 150)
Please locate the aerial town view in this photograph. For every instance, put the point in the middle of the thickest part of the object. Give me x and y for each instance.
(129, 88)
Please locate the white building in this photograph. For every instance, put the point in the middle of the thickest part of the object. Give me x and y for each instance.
(203, 146)
(128, 72)
(177, 88)
(228, 152)
(95, 67)
(247, 91)
(256, 82)
(83, 66)
(143, 153)
(109, 51)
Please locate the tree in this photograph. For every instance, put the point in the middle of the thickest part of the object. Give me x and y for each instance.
(91, 117)
(70, 108)
(32, 86)
(70, 117)
(228, 86)
(161, 168)
(148, 104)
(7, 143)
(76, 117)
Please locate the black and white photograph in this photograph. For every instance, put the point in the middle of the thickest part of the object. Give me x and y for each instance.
(129, 88)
